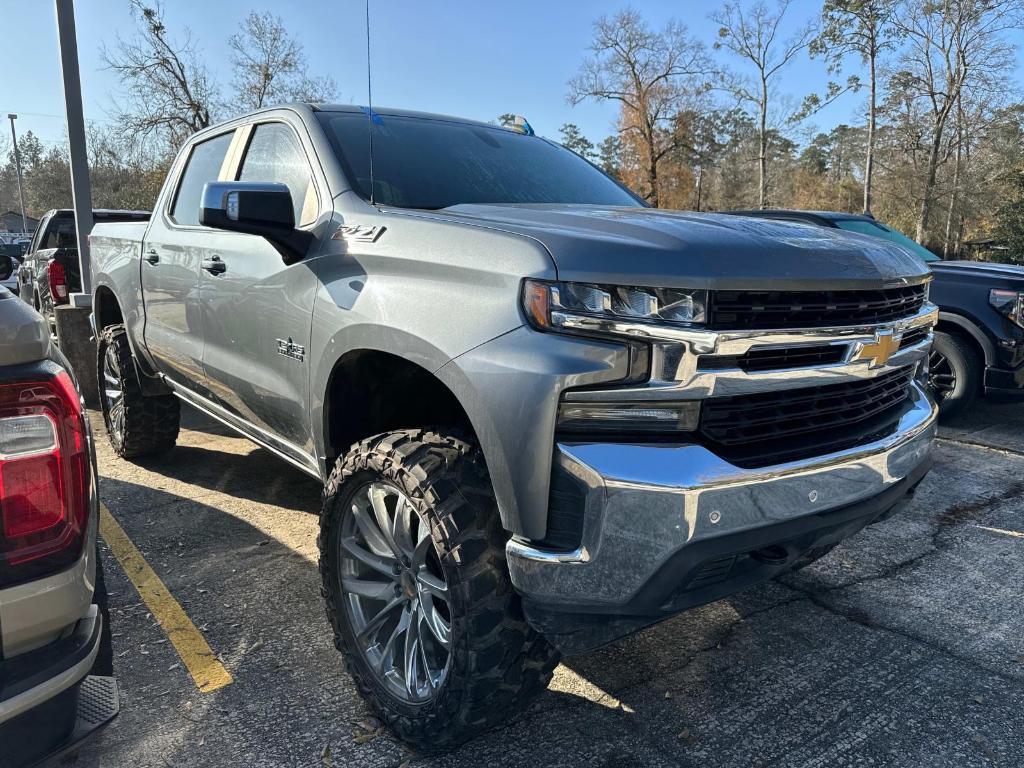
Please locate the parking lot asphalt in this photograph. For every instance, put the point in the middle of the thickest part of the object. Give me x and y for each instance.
(903, 647)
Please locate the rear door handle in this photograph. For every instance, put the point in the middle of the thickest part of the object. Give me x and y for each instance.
(152, 256)
(214, 265)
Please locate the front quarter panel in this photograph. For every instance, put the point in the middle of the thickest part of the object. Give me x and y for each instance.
(426, 291)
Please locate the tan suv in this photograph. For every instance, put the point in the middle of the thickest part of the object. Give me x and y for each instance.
(53, 622)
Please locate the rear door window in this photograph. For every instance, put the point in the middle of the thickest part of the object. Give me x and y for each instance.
(275, 154)
(60, 233)
(204, 165)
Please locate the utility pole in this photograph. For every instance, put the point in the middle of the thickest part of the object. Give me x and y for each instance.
(80, 192)
(74, 331)
(17, 164)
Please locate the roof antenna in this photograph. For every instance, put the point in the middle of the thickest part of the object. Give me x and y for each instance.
(369, 98)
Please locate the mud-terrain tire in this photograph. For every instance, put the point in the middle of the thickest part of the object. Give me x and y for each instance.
(954, 376)
(137, 424)
(496, 663)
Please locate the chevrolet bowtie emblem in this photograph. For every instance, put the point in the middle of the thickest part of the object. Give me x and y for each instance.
(885, 345)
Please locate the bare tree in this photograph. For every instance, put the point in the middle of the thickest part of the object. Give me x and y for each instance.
(650, 74)
(753, 34)
(171, 94)
(270, 65)
(953, 45)
(863, 28)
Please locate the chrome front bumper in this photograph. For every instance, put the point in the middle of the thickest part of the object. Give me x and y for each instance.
(646, 504)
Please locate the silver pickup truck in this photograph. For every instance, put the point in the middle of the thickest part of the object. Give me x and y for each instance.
(544, 414)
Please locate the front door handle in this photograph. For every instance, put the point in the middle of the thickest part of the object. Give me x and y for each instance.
(214, 265)
(152, 256)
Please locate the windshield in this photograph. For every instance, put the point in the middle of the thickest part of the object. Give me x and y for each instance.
(875, 229)
(430, 163)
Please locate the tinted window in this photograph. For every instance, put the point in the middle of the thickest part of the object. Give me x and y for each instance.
(59, 233)
(274, 154)
(428, 163)
(880, 230)
(203, 165)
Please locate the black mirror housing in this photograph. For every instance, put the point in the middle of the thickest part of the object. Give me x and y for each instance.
(264, 209)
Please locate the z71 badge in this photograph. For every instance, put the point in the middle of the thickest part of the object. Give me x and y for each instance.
(359, 233)
(289, 348)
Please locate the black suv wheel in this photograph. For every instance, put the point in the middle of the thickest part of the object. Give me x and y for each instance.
(137, 424)
(954, 373)
(412, 557)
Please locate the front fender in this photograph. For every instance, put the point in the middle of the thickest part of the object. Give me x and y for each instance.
(510, 389)
(363, 337)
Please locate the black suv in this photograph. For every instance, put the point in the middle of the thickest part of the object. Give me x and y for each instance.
(979, 342)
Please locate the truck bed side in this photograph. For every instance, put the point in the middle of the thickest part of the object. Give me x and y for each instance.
(116, 255)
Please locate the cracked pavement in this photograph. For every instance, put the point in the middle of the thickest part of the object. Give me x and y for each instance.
(903, 647)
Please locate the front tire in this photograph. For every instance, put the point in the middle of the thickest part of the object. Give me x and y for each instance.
(954, 374)
(412, 559)
(137, 425)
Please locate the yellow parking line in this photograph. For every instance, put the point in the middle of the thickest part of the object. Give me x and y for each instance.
(197, 656)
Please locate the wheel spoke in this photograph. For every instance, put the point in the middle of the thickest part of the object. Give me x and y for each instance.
(375, 590)
(423, 655)
(371, 531)
(402, 530)
(381, 563)
(439, 628)
(117, 417)
(375, 493)
(386, 663)
(411, 660)
(432, 584)
(373, 624)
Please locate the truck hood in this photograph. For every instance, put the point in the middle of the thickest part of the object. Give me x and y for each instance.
(651, 247)
(979, 270)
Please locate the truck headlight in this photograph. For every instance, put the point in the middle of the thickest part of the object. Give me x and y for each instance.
(1008, 303)
(610, 309)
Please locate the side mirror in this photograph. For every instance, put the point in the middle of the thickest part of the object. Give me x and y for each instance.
(6, 266)
(255, 208)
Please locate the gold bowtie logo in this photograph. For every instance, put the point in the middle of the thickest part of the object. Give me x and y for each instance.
(885, 345)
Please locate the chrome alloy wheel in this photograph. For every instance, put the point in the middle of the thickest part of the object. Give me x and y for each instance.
(941, 376)
(112, 393)
(395, 592)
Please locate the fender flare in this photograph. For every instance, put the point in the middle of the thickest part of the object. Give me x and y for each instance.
(150, 381)
(370, 337)
(971, 329)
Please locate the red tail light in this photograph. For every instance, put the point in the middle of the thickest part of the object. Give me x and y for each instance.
(58, 282)
(44, 476)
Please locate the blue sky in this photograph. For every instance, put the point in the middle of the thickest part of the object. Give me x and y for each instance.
(473, 59)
